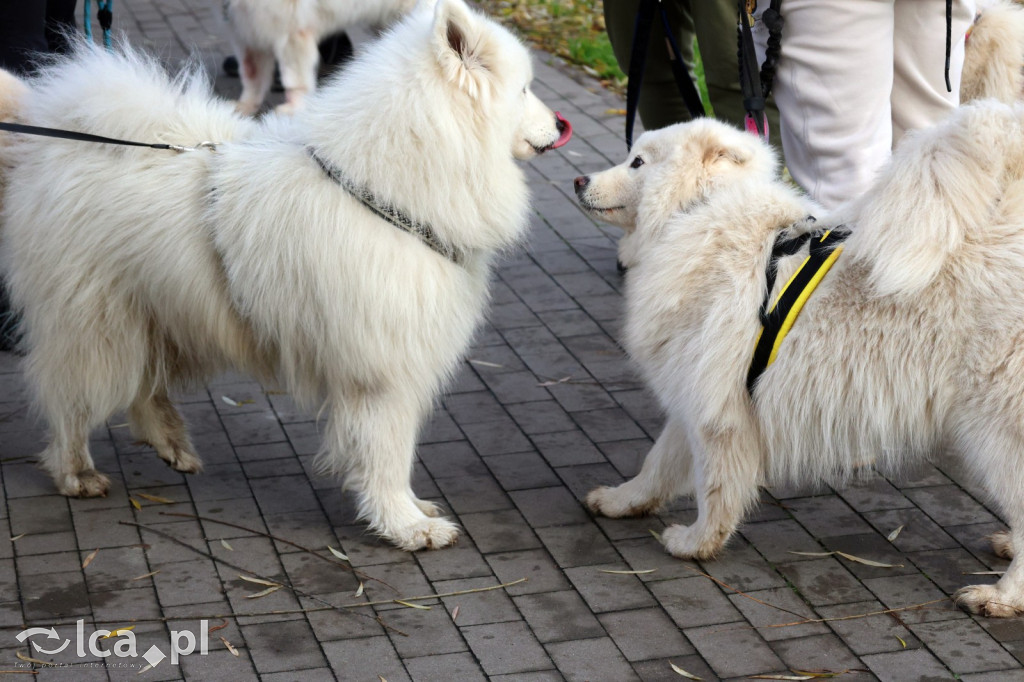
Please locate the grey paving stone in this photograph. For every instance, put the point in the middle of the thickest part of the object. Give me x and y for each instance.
(694, 601)
(444, 668)
(522, 471)
(913, 665)
(499, 531)
(876, 634)
(919, 532)
(451, 459)
(825, 581)
(405, 580)
(964, 646)
(441, 428)
(871, 547)
(282, 646)
(645, 634)
(536, 565)
(477, 608)
(51, 596)
(567, 448)
(951, 569)
(558, 616)
(1013, 675)
(874, 494)
(460, 561)
(608, 425)
(591, 659)
(553, 506)
(578, 545)
(661, 670)
(609, 591)
(819, 652)
(719, 644)
(497, 437)
(544, 416)
(910, 590)
(471, 493)
(776, 540)
(583, 478)
(473, 408)
(627, 456)
(368, 658)
(426, 632)
(949, 505)
(505, 648)
(187, 582)
(768, 609)
(42, 514)
(516, 387)
(827, 516)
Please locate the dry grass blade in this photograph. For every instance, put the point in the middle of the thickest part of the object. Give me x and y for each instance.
(259, 581)
(155, 498)
(225, 545)
(901, 641)
(781, 677)
(227, 645)
(893, 535)
(359, 592)
(455, 613)
(236, 403)
(88, 559)
(29, 659)
(18, 537)
(135, 503)
(484, 363)
(680, 671)
(264, 593)
(850, 557)
(657, 536)
(343, 557)
(19, 672)
(608, 570)
(410, 605)
(985, 573)
(563, 380)
(146, 575)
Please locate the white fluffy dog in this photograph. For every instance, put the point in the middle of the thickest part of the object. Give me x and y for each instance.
(994, 58)
(138, 271)
(288, 31)
(912, 342)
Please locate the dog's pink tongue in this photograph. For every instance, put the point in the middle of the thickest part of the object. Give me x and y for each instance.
(566, 131)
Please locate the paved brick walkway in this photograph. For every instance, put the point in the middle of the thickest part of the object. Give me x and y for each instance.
(511, 452)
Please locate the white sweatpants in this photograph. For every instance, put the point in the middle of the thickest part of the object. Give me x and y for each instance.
(854, 75)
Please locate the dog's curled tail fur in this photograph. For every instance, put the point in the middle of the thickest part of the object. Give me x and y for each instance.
(994, 54)
(944, 183)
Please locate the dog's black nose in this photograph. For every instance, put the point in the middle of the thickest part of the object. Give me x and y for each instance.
(580, 182)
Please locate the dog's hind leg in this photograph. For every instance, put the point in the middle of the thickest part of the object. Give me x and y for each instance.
(666, 474)
(156, 420)
(726, 471)
(257, 74)
(372, 438)
(996, 452)
(297, 59)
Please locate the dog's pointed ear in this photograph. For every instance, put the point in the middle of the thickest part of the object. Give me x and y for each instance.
(458, 44)
(723, 152)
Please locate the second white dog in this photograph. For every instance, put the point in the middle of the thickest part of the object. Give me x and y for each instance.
(912, 342)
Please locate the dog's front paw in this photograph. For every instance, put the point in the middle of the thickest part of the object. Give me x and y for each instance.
(989, 600)
(619, 501)
(88, 483)
(430, 533)
(688, 542)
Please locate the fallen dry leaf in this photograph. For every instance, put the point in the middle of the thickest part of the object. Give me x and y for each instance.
(135, 503)
(227, 645)
(850, 557)
(118, 632)
(484, 363)
(554, 383)
(901, 641)
(893, 535)
(226, 546)
(338, 554)
(264, 593)
(155, 498)
(18, 537)
(359, 592)
(647, 570)
(146, 575)
(88, 559)
(258, 581)
(223, 625)
(680, 671)
(29, 659)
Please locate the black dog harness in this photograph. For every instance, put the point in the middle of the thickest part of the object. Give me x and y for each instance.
(823, 251)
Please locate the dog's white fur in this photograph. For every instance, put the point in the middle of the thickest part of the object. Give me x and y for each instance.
(139, 271)
(994, 55)
(288, 31)
(911, 343)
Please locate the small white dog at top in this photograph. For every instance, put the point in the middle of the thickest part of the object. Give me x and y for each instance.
(140, 271)
(288, 31)
(912, 342)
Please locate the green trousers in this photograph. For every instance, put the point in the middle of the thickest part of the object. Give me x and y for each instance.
(713, 23)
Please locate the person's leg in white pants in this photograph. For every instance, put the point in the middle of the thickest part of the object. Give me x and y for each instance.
(838, 91)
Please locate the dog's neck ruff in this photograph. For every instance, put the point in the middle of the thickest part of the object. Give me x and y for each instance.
(823, 251)
(423, 231)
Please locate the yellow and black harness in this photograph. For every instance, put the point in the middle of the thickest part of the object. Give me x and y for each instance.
(824, 247)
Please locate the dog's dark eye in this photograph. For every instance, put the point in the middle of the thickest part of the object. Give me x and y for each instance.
(637, 162)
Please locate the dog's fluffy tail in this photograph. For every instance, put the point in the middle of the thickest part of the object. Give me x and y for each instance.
(994, 56)
(942, 185)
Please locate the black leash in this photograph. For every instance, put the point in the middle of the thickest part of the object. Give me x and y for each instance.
(638, 61)
(756, 83)
(86, 137)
